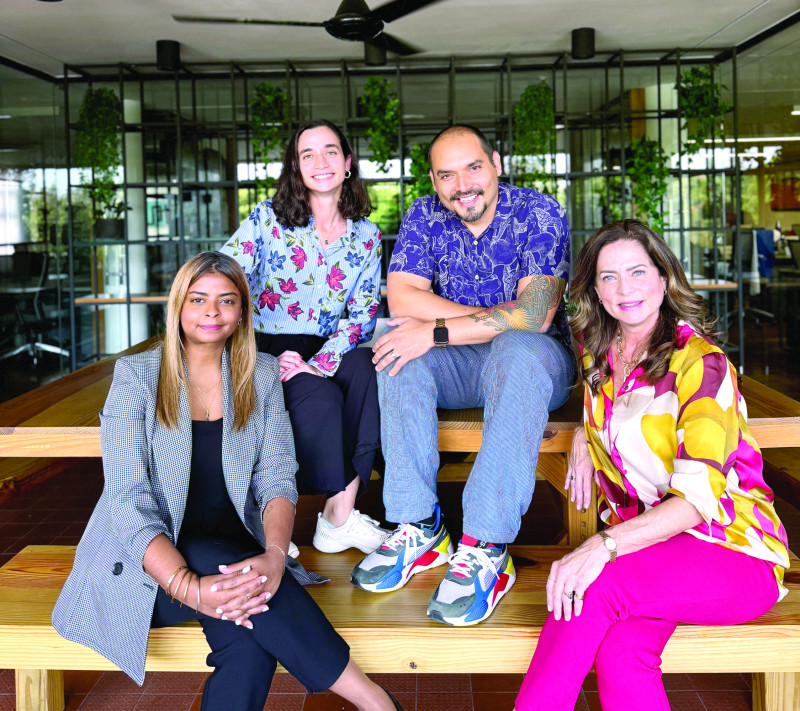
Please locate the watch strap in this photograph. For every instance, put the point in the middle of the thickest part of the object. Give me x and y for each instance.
(612, 551)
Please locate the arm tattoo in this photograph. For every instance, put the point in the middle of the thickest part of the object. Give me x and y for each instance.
(529, 311)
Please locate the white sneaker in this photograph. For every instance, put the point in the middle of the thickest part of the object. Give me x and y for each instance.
(293, 551)
(359, 531)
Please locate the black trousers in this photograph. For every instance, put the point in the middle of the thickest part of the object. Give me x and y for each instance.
(335, 420)
(294, 631)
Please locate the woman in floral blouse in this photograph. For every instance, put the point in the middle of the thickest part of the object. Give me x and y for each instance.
(692, 533)
(313, 261)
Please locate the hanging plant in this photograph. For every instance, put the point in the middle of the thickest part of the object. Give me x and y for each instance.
(268, 109)
(379, 103)
(648, 171)
(97, 147)
(534, 130)
(700, 102)
(419, 183)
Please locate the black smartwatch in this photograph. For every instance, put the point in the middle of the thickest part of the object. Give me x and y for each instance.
(441, 336)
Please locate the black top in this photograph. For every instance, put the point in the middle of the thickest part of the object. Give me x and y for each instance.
(209, 510)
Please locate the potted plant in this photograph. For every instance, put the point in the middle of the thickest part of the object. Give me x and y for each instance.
(97, 147)
(419, 183)
(648, 171)
(701, 105)
(269, 116)
(380, 105)
(534, 129)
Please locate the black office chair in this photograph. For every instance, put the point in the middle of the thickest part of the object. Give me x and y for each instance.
(30, 278)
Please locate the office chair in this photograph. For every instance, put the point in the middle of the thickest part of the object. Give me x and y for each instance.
(30, 271)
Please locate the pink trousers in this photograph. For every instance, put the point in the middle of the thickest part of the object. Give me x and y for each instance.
(629, 614)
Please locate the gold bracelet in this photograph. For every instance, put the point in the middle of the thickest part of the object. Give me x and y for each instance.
(275, 545)
(186, 589)
(178, 582)
(172, 577)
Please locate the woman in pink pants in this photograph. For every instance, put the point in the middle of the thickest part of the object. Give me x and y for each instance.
(692, 533)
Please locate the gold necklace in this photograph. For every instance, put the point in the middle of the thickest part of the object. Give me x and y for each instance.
(628, 366)
(205, 392)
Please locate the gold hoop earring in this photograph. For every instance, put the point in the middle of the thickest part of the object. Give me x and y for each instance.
(240, 322)
(347, 174)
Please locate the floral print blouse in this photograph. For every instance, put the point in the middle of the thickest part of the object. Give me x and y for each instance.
(686, 436)
(299, 287)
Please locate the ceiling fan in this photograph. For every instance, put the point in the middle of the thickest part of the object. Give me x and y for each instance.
(353, 21)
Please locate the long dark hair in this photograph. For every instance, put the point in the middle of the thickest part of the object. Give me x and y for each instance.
(291, 195)
(595, 330)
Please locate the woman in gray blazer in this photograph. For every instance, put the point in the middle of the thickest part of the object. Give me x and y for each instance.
(197, 510)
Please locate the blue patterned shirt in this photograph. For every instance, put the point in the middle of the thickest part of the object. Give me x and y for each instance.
(528, 236)
(296, 286)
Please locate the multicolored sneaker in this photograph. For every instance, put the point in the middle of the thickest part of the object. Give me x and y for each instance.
(478, 577)
(409, 550)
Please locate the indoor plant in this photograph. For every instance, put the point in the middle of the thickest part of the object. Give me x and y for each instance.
(419, 183)
(648, 171)
(97, 147)
(701, 105)
(379, 104)
(268, 111)
(534, 130)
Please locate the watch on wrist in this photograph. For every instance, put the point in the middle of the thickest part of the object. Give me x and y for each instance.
(611, 544)
(441, 336)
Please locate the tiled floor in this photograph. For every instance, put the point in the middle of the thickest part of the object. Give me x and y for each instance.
(57, 510)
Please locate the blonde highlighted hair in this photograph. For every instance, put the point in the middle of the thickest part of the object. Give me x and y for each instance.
(241, 345)
(595, 330)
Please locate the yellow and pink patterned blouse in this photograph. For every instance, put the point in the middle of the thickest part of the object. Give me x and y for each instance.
(686, 436)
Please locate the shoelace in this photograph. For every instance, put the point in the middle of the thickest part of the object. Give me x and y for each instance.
(363, 518)
(407, 534)
(466, 558)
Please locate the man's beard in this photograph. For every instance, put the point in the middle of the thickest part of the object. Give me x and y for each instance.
(470, 216)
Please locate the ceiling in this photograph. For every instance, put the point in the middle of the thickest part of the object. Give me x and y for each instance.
(45, 35)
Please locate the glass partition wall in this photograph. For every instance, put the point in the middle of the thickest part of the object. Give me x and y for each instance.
(188, 176)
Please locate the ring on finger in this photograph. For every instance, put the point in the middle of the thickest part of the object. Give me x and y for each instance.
(569, 595)
(572, 478)
(578, 597)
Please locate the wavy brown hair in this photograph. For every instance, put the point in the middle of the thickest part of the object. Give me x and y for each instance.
(291, 194)
(241, 344)
(595, 329)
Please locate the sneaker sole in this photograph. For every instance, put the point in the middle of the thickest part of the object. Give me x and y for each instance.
(461, 622)
(424, 562)
(326, 545)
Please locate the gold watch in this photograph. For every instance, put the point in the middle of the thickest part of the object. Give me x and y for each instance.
(611, 544)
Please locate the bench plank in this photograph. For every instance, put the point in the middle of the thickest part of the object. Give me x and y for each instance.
(402, 641)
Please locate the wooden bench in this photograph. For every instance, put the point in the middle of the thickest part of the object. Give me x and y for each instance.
(60, 420)
(404, 641)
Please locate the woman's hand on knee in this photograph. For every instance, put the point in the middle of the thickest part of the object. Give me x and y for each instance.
(580, 471)
(250, 584)
(571, 576)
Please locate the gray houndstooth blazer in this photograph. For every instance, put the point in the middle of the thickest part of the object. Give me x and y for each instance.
(107, 602)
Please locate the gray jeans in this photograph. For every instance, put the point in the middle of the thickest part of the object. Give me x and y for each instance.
(518, 378)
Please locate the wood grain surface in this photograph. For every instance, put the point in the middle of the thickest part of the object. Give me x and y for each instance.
(387, 632)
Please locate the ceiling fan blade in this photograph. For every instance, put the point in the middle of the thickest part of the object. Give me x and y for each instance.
(400, 8)
(242, 21)
(398, 46)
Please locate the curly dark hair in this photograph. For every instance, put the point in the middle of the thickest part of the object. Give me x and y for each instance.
(595, 330)
(291, 195)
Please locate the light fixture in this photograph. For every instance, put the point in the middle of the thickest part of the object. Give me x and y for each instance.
(796, 110)
(583, 43)
(374, 53)
(168, 55)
